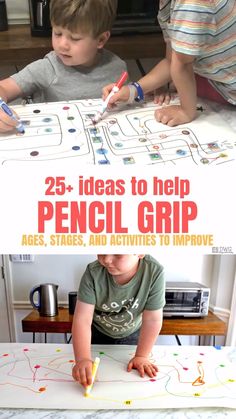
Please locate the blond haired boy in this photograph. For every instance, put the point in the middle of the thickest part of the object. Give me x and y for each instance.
(78, 67)
(120, 301)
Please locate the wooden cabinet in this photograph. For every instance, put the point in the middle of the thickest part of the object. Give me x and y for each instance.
(17, 46)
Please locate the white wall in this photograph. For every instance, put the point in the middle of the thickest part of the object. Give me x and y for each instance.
(17, 11)
(66, 271)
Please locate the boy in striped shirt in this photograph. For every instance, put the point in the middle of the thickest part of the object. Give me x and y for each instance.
(200, 60)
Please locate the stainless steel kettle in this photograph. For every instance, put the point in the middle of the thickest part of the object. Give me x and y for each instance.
(47, 299)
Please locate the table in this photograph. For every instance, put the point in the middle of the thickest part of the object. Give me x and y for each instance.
(188, 377)
(210, 325)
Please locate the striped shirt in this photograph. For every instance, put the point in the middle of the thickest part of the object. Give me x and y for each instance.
(205, 29)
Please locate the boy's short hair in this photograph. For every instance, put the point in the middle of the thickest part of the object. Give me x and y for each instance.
(86, 16)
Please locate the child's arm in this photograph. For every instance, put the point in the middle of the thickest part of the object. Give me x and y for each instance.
(150, 329)
(184, 80)
(9, 90)
(156, 78)
(81, 337)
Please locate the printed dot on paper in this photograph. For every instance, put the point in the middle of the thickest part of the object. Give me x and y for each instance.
(34, 153)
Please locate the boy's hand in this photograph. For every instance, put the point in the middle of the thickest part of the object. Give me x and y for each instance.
(164, 94)
(174, 115)
(121, 96)
(82, 372)
(143, 365)
(7, 123)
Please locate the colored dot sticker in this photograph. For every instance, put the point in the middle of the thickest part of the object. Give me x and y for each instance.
(48, 130)
(103, 162)
(185, 132)
(197, 394)
(65, 108)
(128, 402)
(70, 118)
(193, 145)
(26, 350)
(71, 130)
(128, 160)
(204, 161)
(93, 131)
(102, 151)
(37, 111)
(155, 156)
(114, 133)
(47, 119)
(213, 145)
(118, 145)
(58, 350)
(181, 152)
(152, 380)
(101, 353)
(97, 139)
(5, 354)
(76, 147)
(37, 367)
(41, 389)
(34, 153)
(142, 140)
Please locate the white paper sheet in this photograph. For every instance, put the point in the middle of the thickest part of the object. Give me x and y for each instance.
(39, 376)
(64, 133)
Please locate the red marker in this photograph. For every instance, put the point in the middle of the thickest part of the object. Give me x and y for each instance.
(114, 90)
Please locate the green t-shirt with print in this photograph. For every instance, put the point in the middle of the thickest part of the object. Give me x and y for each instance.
(118, 308)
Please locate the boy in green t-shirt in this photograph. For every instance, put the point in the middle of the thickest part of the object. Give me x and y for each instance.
(120, 301)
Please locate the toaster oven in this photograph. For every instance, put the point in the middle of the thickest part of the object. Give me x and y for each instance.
(187, 299)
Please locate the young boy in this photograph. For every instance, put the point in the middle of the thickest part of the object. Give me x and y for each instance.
(120, 301)
(78, 66)
(200, 58)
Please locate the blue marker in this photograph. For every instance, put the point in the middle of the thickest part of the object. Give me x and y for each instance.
(20, 127)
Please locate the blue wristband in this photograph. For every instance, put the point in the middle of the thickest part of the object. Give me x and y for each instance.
(139, 91)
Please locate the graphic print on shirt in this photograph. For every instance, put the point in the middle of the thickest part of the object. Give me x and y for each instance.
(118, 316)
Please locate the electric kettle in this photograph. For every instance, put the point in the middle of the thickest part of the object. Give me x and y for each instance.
(47, 299)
